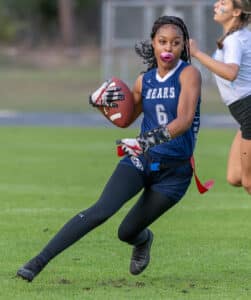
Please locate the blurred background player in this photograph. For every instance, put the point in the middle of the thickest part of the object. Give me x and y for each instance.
(157, 162)
(231, 65)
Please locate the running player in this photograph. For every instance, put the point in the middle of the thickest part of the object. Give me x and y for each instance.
(231, 65)
(157, 162)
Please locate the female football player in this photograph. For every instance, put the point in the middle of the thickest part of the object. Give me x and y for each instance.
(157, 162)
(231, 65)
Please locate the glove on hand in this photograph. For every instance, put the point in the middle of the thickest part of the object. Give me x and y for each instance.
(128, 147)
(153, 137)
(105, 96)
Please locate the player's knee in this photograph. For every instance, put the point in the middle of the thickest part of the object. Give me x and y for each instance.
(124, 235)
(233, 181)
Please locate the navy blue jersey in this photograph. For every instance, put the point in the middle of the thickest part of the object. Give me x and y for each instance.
(160, 97)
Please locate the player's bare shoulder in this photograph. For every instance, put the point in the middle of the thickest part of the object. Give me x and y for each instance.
(190, 74)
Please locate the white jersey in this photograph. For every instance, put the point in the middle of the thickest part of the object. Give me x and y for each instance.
(236, 50)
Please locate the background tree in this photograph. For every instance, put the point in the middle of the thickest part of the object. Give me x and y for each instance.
(66, 21)
(50, 21)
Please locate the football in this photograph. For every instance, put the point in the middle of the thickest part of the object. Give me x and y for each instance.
(120, 116)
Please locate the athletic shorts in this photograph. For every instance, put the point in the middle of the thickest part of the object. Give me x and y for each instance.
(241, 111)
(168, 177)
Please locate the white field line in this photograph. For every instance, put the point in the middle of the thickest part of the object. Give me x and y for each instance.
(8, 113)
(40, 189)
(43, 210)
(52, 210)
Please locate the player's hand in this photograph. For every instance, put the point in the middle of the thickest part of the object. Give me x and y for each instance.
(194, 49)
(128, 147)
(106, 94)
(153, 137)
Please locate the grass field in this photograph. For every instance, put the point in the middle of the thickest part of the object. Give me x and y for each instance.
(201, 248)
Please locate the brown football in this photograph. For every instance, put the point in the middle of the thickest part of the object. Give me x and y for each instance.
(120, 116)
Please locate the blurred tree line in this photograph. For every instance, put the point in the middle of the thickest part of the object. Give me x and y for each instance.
(33, 22)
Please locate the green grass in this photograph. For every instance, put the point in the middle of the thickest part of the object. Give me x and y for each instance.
(201, 248)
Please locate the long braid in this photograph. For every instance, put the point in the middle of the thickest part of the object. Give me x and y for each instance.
(145, 50)
(244, 20)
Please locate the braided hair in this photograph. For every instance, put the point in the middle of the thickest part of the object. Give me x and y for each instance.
(245, 19)
(145, 49)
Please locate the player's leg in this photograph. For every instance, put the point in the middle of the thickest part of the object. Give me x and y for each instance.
(134, 231)
(240, 154)
(146, 210)
(245, 147)
(167, 188)
(246, 164)
(125, 182)
(234, 162)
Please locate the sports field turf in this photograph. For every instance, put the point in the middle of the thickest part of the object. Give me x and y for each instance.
(201, 248)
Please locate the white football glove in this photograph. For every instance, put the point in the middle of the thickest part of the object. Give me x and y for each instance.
(106, 94)
(129, 147)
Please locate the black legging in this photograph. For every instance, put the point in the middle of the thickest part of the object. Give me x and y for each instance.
(124, 183)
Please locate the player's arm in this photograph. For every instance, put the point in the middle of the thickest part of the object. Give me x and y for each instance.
(136, 91)
(190, 81)
(131, 146)
(228, 71)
